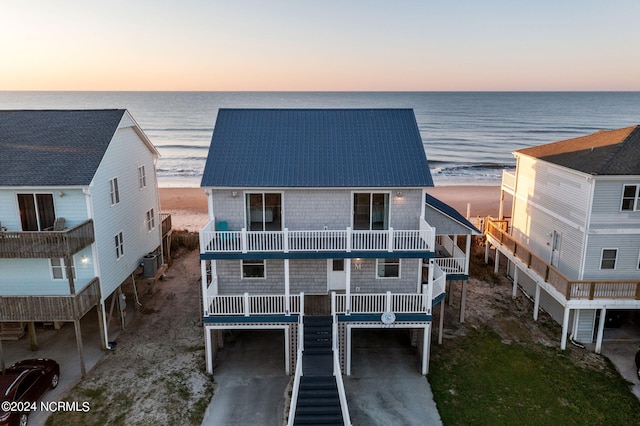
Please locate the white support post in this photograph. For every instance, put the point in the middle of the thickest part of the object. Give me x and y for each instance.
(287, 352)
(497, 263)
(390, 242)
(243, 233)
(514, 292)
(208, 349)
(210, 204)
(204, 283)
(486, 251)
(429, 304)
(285, 240)
(441, 325)
(467, 255)
(425, 349)
(347, 270)
(423, 203)
(387, 302)
(287, 306)
(348, 333)
(565, 326)
(349, 239)
(463, 300)
(603, 314)
(501, 208)
(247, 306)
(536, 303)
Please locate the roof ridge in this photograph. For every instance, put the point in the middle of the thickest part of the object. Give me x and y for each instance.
(620, 146)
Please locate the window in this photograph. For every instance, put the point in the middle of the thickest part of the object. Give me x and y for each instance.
(113, 191)
(630, 198)
(142, 177)
(59, 270)
(388, 268)
(608, 258)
(370, 211)
(37, 212)
(151, 220)
(264, 211)
(119, 246)
(253, 269)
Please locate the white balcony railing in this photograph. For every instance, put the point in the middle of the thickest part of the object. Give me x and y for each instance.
(243, 241)
(375, 303)
(257, 304)
(452, 265)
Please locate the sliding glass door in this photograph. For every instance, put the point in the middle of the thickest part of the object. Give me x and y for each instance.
(264, 211)
(36, 211)
(370, 211)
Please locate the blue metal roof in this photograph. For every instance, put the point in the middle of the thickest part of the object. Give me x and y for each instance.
(316, 148)
(451, 212)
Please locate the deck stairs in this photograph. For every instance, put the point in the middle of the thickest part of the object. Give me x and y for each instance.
(318, 399)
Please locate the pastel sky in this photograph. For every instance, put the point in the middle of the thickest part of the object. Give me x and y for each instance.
(393, 45)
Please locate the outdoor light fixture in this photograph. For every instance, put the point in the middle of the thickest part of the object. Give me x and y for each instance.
(234, 194)
(60, 194)
(399, 194)
(84, 259)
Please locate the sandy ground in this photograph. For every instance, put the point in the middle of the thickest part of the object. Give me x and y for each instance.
(188, 206)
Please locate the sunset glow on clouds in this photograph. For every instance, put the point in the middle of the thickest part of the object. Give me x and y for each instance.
(328, 45)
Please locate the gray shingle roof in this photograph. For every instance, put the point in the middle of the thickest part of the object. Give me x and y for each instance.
(316, 148)
(451, 212)
(54, 147)
(607, 152)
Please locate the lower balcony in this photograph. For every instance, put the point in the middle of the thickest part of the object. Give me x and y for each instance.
(50, 308)
(496, 232)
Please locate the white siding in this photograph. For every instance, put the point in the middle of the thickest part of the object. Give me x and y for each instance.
(548, 199)
(124, 155)
(607, 199)
(626, 262)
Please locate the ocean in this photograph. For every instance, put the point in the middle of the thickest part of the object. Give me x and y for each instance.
(469, 137)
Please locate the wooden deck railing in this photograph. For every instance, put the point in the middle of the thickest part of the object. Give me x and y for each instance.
(46, 244)
(571, 289)
(50, 308)
(243, 241)
(166, 223)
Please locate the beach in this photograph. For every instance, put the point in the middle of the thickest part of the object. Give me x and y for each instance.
(188, 206)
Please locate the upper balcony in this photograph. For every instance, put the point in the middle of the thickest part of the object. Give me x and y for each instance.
(226, 244)
(46, 244)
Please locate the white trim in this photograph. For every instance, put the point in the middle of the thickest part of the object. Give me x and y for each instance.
(263, 192)
(378, 277)
(615, 260)
(63, 267)
(150, 220)
(371, 192)
(636, 202)
(142, 177)
(119, 245)
(264, 263)
(114, 191)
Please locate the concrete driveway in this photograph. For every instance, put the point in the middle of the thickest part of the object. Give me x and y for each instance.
(620, 346)
(385, 387)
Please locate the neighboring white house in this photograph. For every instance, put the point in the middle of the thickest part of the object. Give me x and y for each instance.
(319, 227)
(78, 211)
(573, 239)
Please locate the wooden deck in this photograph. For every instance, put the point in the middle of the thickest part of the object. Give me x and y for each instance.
(496, 231)
(46, 244)
(50, 308)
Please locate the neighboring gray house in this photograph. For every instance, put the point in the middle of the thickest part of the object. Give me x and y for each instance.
(573, 239)
(78, 211)
(319, 228)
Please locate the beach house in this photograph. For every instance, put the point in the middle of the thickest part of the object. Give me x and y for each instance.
(572, 242)
(78, 214)
(319, 227)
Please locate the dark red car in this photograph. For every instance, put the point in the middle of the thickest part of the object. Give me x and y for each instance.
(22, 385)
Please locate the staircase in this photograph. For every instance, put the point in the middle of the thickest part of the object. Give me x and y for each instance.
(318, 402)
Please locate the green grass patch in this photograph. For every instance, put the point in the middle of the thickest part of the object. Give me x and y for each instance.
(479, 380)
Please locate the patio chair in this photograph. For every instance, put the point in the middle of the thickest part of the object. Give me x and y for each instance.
(223, 228)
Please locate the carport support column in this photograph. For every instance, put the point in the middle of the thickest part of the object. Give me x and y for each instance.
(83, 370)
(104, 344)
(603, 314)
(536, 303)
(33, 339)
(463, 300)
(208, 350)
(497, 263)
(565, 327)
(425, 349)
(514, 292)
